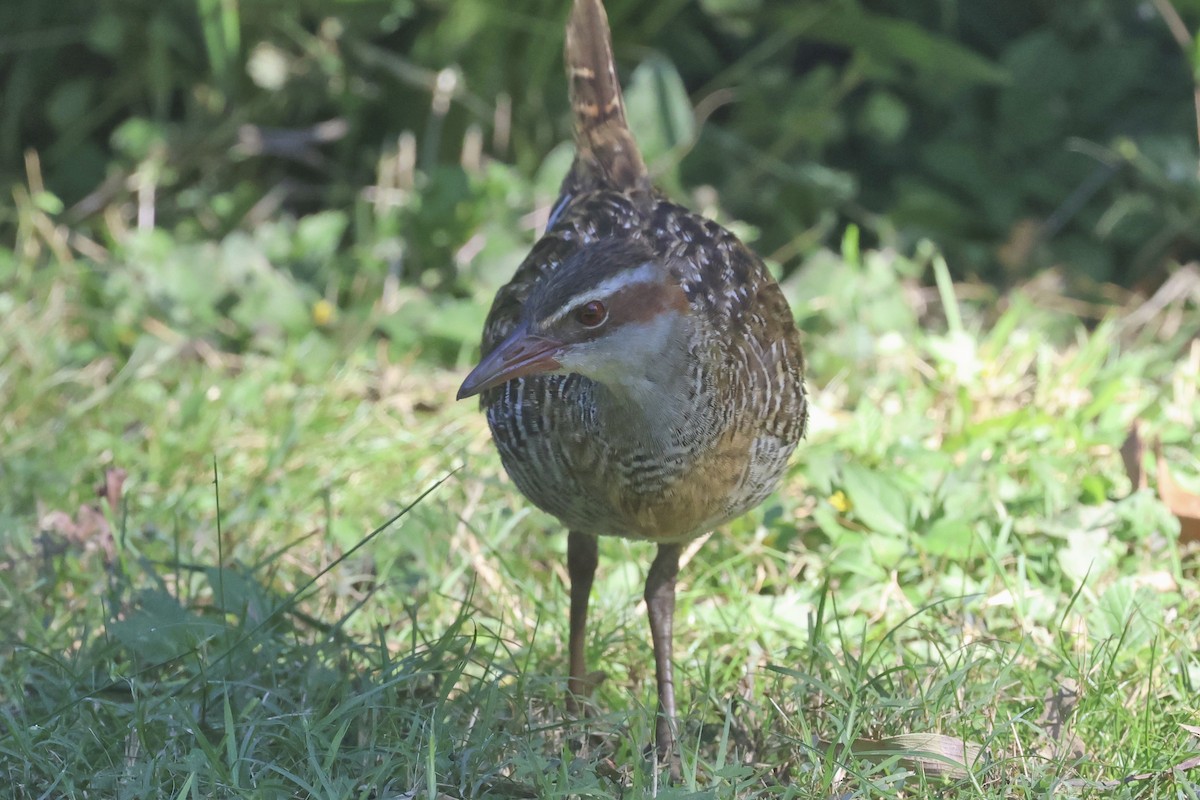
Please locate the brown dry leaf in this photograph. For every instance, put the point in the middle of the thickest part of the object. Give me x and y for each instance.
(110, 489)
(934, 754)
(1133, 453)
(89, 529)
(1192, 729)
(1183, 504)
(1059, 706)
(89, 524)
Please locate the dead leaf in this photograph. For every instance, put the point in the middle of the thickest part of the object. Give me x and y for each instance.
(1183, 504)
(1133, 453)
(110, 488)
(89, 528)
(933, 754)
(1059, 706)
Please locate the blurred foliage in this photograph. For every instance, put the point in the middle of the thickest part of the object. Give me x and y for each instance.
(1040, 134)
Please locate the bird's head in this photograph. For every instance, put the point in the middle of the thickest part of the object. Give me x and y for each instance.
(612, 313)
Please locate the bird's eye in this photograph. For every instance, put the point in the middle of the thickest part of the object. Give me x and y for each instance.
(591, 314)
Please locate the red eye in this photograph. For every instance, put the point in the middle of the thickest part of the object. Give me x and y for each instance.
(591, 314)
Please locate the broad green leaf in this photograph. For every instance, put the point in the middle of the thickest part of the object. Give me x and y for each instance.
(1086, 555)
(161, 629)
(885, 37)
(1127, 612)
(319, 235)
(239, 594)
(876, 499)
(659, 111)
(950, 538)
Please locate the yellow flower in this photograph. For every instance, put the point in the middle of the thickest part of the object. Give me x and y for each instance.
(323, 312)
(839, 501)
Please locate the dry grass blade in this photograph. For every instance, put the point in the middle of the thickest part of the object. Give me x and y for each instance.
(1183, 284)
(1182, 766)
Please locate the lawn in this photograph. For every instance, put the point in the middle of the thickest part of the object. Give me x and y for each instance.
(251, 547)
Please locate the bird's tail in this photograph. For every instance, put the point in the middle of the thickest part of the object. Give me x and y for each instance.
(606, 154)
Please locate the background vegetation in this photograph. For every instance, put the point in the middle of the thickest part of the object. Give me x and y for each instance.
(247, 256)
(1037, 134)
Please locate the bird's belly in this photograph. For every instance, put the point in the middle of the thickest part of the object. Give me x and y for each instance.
(674, 510)
(593, 485)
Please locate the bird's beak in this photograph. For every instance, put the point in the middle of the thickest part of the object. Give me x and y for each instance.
(522, 353)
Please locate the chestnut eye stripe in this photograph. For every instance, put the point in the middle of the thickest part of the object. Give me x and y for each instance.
(616, 286)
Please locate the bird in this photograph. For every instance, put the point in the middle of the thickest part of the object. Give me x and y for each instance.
(642, 373)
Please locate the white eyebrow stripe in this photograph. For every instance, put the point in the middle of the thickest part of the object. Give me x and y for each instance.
(646, 273)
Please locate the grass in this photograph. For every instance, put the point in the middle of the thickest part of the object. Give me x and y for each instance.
(957, 559)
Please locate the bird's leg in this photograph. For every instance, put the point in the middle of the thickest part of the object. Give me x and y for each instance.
(660, 603)
(581, 566)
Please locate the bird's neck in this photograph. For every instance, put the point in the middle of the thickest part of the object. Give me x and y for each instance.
(658, 407)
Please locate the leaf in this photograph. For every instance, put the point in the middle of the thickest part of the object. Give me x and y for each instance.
(889, 38)
(240, 595)
(1087, 553)
(162, 630)
(457, 321)
(884, 116)
(659, 109)
(1133, 453)
(1059, 707)
(1127, 612)
(48, 202)
(319, 235)
(949, 538)
(934, 754)
(1183, 504)
(878, 502)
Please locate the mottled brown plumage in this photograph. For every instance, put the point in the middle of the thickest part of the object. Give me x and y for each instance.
(606, 154)
(641, 373)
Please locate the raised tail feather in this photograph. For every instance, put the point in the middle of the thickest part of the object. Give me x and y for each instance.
(606, 154)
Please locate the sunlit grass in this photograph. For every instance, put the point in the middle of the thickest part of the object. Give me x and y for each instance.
(956, 545)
